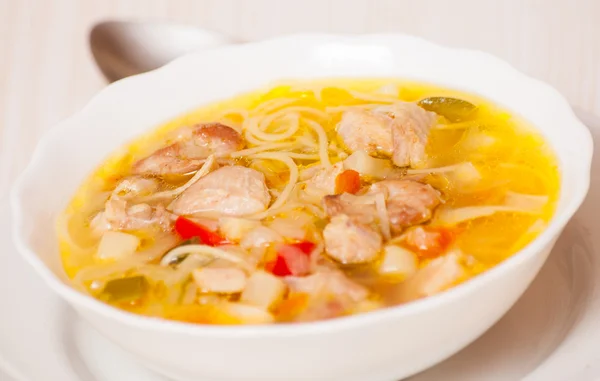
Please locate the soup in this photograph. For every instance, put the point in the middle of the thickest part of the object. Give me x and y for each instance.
(309, 201)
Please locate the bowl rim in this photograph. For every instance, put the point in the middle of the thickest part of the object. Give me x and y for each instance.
(81, 300)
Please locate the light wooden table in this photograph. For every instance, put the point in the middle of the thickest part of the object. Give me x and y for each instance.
(46, 70)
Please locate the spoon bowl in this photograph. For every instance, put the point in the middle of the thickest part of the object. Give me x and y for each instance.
(123, 48)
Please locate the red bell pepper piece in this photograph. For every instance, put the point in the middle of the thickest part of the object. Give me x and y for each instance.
(189, 229)
(306, 246)
(292, 259)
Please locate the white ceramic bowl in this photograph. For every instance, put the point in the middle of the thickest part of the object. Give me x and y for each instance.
(383, 345)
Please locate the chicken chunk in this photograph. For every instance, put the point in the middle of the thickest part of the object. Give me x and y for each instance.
(408, 202)
(410, 131)
(351, 242)
(323, 181)
(400, 130)
(118, 215)
(332, 282)
(357, 207)
(220, 280)
(365, 130)
(231, 191)
(134, 186)
(188, 153)
(438, 275)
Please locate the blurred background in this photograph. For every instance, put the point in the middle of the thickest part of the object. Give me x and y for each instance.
(47, 71)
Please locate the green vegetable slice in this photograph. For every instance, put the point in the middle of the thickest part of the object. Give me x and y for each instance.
(453, 109)
(125, 289)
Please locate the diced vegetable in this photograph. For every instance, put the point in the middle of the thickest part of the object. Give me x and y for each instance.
(361, 162)
(438, 275)
(220, 280)
(188, 229)
(293, 225)
(260, 236)
(306, 246)
(234, 229)
(464, 175)
(248, 314)
(117, 245)
(263, 290)
(127, 289)
(278, 267)
(291, 259)
(455, 110)
(398, 262)
(477, 140)
(427, 241)
(347, 182)
(295, 304)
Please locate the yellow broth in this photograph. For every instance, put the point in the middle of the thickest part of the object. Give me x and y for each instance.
(509, 155)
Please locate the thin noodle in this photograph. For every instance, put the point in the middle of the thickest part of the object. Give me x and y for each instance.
(267, 120)
(287, 160)
(448, 168)
(293, 126)
(275, 211)
(64, 234)
(261, 148)
(204, 250)
(303, 156)
(203, 171)
(384, 221)
(323, 142)
(273, 104)
(314, 209)
(308, 141)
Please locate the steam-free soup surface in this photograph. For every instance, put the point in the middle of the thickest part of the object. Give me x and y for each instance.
(309, 201)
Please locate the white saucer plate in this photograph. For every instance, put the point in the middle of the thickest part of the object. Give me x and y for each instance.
(552, 333)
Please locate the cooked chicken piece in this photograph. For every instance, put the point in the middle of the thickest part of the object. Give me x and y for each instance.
(118, 215)
(365, 130)
(231, 191)
(408, 202)
(359, 208)
(323, 181)
(438, 275)
(220, 280)
(400, 130)
(351, 242)
(134, 186)
(410, 131)
(332, 282)
(188, 154)
(331, 294)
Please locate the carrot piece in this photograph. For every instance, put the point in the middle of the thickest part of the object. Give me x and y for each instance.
(430, 242)
(347, 182)
(292, 306)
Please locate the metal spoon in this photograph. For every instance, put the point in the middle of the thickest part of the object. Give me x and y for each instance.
(122, 49)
